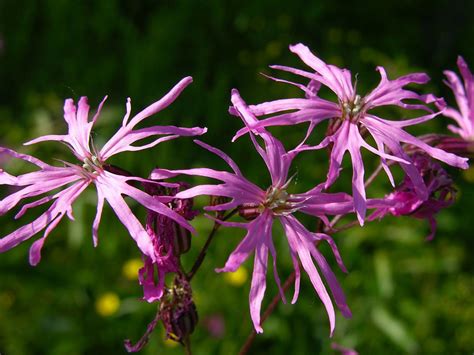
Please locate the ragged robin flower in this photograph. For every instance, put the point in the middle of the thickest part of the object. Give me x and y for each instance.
(90, 168)
(464, 95)
(352, 116)
(261, 207)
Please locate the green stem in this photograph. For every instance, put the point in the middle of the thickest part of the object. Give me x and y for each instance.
(271, 307)
(371, 178)
(202, 254)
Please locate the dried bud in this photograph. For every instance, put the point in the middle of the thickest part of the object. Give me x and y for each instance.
(183, 206)
(178, 311)
(184, 321)
(181, 240)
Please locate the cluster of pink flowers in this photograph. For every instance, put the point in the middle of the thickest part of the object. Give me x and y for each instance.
(351, 125)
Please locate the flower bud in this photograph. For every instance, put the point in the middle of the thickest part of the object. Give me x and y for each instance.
(184, 321)
(250, 211)
(181, 240)
(218, 200)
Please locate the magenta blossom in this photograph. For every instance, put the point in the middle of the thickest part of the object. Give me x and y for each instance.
(406, 202)
(92, 168)
(264, 206)
(464, 95)
(352, 117)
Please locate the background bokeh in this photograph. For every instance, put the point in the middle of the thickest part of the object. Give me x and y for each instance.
(407, 295)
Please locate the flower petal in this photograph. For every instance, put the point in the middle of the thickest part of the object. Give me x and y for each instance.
(98, 216)
(128, 219)
(58, 209)
(248, 244)
(296, 242)
(391, 92)
(358, 188)
(338, 80)
(380, 128)
(258, 286)
(125, 136)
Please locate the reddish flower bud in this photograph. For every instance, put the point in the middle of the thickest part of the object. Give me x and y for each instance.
(250, 211)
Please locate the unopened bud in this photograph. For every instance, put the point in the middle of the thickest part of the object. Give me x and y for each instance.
(218, 200)
(250, 211)
(184, 321)
(333, 126)
(181, 239)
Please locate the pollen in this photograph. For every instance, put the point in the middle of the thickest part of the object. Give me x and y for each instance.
(92, 165)
(281, 202)
(352, 109)
(275, 198)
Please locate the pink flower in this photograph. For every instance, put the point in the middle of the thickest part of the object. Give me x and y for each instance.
(352, 117)
(264, 206)
(406, 202)
(92, 170)
(464, 95)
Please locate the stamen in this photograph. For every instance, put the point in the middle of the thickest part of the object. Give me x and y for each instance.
(92, 165)
(280, 201)
(357, 101)
(95, 160)
(352, 109)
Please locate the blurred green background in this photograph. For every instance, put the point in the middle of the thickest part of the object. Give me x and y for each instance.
(407, 295)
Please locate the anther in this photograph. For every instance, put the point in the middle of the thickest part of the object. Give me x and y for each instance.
(95, 160)
(357, 101)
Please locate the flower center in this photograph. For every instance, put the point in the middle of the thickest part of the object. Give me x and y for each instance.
(92, 165)
(281, 202)
(352, 109)
(277, 200)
